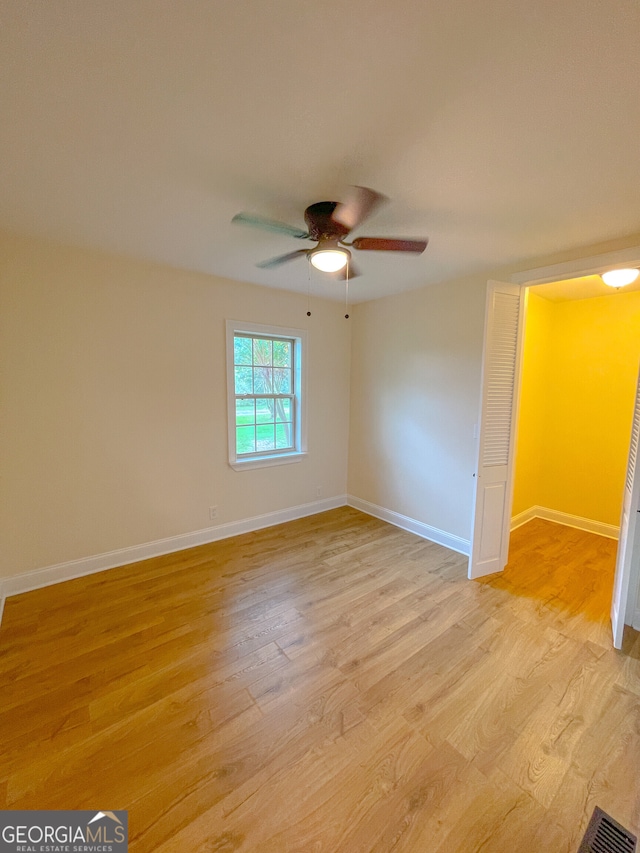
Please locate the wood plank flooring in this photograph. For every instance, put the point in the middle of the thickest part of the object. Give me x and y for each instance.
(332, 684)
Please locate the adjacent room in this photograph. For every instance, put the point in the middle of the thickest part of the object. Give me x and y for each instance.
(577, 394)
(254, 592)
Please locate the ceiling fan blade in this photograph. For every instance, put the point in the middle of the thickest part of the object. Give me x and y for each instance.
(360, 204)
(385, 244)
(256, 221)
(281, 259)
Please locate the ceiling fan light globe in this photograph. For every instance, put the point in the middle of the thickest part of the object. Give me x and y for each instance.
(618, 278)
(329, 260)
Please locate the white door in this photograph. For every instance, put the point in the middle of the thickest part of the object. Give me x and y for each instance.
(494, 469)
(628, 551)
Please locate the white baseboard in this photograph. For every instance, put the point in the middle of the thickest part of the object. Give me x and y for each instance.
(433, 534)
(49, 575)
(635, 620)
(523, 517)
(611, 531)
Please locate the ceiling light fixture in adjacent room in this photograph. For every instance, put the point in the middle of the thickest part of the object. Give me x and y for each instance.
(618, 278)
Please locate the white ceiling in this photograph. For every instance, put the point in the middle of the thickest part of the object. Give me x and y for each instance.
(584, 287)
(502, 130)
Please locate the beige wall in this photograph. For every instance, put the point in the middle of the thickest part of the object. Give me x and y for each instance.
(113, 409)
(415, 395)
(113, 426)
(416, 363)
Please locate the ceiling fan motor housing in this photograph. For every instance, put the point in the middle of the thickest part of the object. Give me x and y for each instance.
(319, 220)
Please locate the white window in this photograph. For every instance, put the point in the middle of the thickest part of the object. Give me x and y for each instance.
(265, 382)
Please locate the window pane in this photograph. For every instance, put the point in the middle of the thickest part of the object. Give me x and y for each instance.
(242, 350)
(282, 353)
(283, 436)
(265, 437)
(281, 380)
(265, 411)
(262, 352)
(244, 380)
(283, 410)
(245, 439)
(262, 380)
(245, 412)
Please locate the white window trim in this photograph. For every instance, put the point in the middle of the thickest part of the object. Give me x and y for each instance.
(300, 335)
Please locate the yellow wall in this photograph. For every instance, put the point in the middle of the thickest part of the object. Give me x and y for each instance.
(579, 375)
(533, 403)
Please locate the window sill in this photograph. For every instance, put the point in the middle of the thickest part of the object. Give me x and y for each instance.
(267, 461)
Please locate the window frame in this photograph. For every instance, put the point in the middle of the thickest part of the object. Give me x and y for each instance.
(261, 459)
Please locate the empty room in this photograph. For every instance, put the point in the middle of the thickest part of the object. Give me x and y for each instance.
(267, 327)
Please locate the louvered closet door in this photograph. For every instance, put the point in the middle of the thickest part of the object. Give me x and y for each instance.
(500, 376)
(628, 546)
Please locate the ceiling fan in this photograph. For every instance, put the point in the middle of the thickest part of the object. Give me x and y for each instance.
(329, 222)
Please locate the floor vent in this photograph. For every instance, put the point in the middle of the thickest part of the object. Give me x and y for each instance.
(605, 835)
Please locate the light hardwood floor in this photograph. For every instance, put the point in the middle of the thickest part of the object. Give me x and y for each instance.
(333, 684)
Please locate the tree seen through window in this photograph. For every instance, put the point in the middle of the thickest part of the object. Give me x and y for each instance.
(264, 389)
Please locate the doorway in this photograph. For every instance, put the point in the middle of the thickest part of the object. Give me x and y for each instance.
(499, 407)
(577, 388)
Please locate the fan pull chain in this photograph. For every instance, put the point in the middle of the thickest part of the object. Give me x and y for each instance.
(308, 290)
(346, 293)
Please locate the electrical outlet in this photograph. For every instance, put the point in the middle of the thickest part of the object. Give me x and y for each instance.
(319, 491)
(213, 513)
